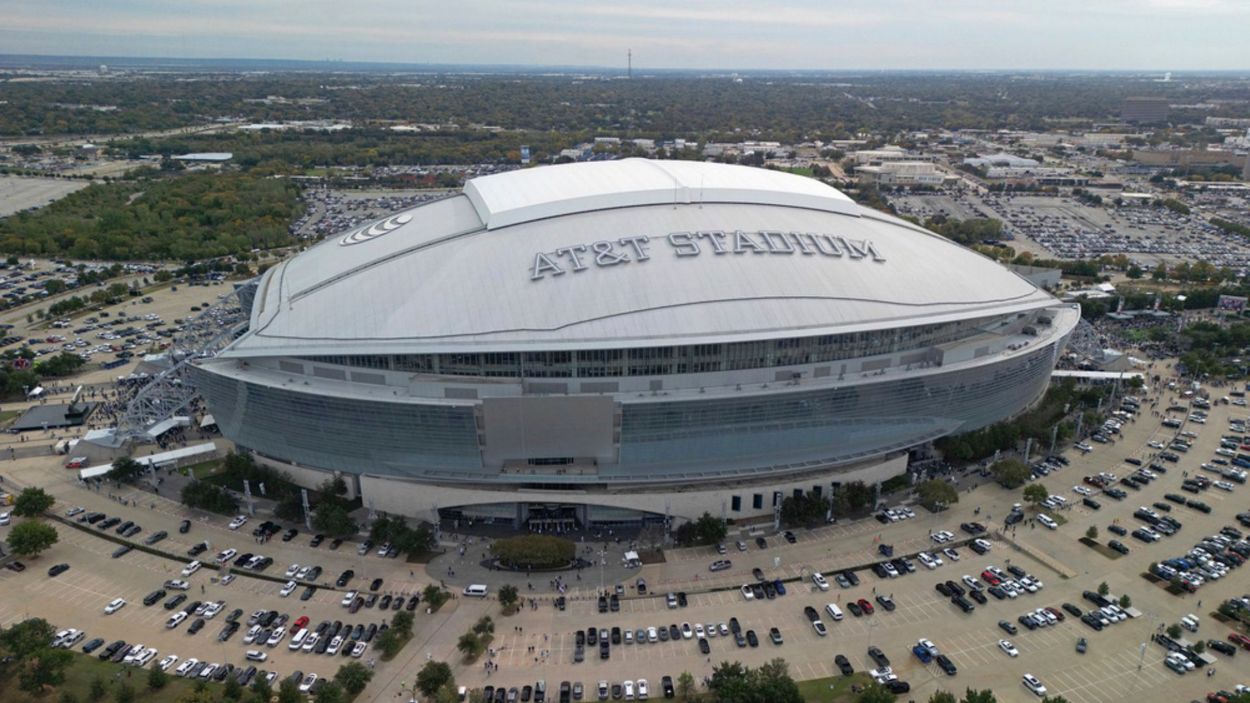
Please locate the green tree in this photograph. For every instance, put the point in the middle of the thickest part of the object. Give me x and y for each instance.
(1134, 272)
(1103, 589)
(67, 697)
(1174, 631)
(685, 685)
(433, 676)
(125, 469)
(233, 690)
(1125, 601)
(402, 622)
(1010, 473)
(470, 645)
(1035, 493)
(97, 690)
(943, 697)
(25, 638)
(334, 520)
(354, 676)
(32, 502)
(448, 694)
(937, 494)
(30, 538)
(157, 678)
(484, 625)
(261, 690)
(508, 597)
(124, 693)
(46, 667)
(331, 693)
(706, 530)
(288, 692)
(982, 696)
(1092, 532)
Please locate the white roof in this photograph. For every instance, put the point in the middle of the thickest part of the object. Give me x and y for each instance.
(532, 194)
(154, 459)
(435, 279)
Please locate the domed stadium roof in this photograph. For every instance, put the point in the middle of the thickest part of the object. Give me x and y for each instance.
(616, 254)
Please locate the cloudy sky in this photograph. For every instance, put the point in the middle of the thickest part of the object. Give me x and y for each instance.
(705, 34)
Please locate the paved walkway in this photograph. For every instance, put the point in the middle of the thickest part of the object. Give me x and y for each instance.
(465, 558)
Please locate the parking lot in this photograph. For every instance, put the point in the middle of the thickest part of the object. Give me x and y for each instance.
(540, 642)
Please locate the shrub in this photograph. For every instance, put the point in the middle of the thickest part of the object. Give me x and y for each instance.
(534, 551)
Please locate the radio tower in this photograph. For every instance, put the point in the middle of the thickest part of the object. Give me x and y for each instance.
(629, 63)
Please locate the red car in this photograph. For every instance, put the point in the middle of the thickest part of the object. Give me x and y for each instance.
(300, 624)
(1239, 639)
(990, 578)
(1056, 612)
(865, 606)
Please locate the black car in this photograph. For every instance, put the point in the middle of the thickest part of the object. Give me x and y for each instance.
(385, 602)
(313, 574)
(886, 602)
(1091, 620)
(198, 549)
(1007, 627)
(603, 604)
(154, 596)
(878, 656)
(963, 604)
(943, 589)
(412, 603)
(1222, 647)
(1072, 610)
(681, 599)
(122, 550)
(175, 601)
(997, 592)
(289, 534)
(1091, 504)
(112, 649)
(844, 665)
(58, 569)
(666, 685)
(1118, 546)
(674, 632)
(614, 603)
(308, 593)
(897, 686)
(752, 639)
(604, 652)
(761, 543)
(972, 528)
(93, 645)
(854, 608)
(317, 540)
(706, 648)
(155, 537)
(735, 627)
(946, 665)
(1116, 529)
(978, 596)
(789, 537)
(344, 578)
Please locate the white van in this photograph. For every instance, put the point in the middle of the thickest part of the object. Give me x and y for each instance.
(191, 568)
(298, 639)
(475, 590)
(834, 611)
(1190, 622)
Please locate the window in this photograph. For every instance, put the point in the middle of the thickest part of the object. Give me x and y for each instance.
(735, 504)
(757, 501)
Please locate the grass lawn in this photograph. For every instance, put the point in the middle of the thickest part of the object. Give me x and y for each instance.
(205, 469)
(8, 416)
(833, 689)
(85, 668)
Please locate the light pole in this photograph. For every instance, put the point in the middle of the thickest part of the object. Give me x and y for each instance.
(404, 688)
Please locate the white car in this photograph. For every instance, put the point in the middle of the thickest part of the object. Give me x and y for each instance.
(1156, 444)
(145, 656)
(951, 554)
(250, 637)
(348, 598)
(1048, 521)
(167, 662)
(292, 570)
(358, 649)
(236, 523)
(1223, 485)
(279, 633)
(255, 655)
(224, 580)
(191, 568)
(334, 645)
(699, 631)
(211, 611)
(629, 690)
(288, 589)
(983, 544)
(1083, 490)
(186, 667)
(746, 592)
(819, 580)
(642, 689)
(5, 518)
(133, 653)
(927, 644)
(175, 620)
(114, 605)
(226, 555)
(686, 631)
(1030, 682)
(177, 585)
(1009, 648)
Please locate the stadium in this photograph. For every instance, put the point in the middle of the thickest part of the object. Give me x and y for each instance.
(625, 342)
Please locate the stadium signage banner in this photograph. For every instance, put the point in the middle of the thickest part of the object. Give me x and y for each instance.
(638, 249)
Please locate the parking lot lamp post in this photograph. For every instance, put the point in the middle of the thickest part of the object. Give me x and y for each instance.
(404, 688)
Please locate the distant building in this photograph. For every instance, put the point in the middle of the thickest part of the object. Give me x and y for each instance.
(1001, 160)
(1186, 157)
(1144, 110)
(207, 157)
(1245, 170)
(903, 173)
(886, 153)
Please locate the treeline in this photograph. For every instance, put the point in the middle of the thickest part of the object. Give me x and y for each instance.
(976, 230)
(1036, 424)
(1231, 227)
(190, 217)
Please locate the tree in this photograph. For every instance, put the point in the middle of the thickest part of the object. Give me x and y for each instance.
(1200, 646)
(1035, 493)
(1092, 532)
(354, 676)
(124, 693)
(32, 502)
(331, 693)
(685, 685)
(1010, 473)
(233, 690)
(876, 693)
(98, 690)
(433, 676)
(261, 689)
(943, 697)
(1061, 699)
(45, 667)
(32, 537)
(706, 530)
(402, 623)
(1134, 272)
(1125, 601)
(484, 625)
(470, 645)
(1103, 589)
(67, 697)
(125, 469)
(333, 520)
(27, 637)
(1174, 631)
(982, 696)
(937, 494)
(508, 597)
(157, 678)
(288, 692)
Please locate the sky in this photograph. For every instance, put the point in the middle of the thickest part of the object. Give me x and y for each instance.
(1154, 35)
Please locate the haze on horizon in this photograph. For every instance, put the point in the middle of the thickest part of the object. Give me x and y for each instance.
(1159, 35)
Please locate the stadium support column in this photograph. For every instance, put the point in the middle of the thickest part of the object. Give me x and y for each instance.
(1028, 449)
(1054, 438)
(777, 510)
(247, 495)
(303, 494)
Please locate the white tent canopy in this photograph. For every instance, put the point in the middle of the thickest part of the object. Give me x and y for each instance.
(155, 460)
